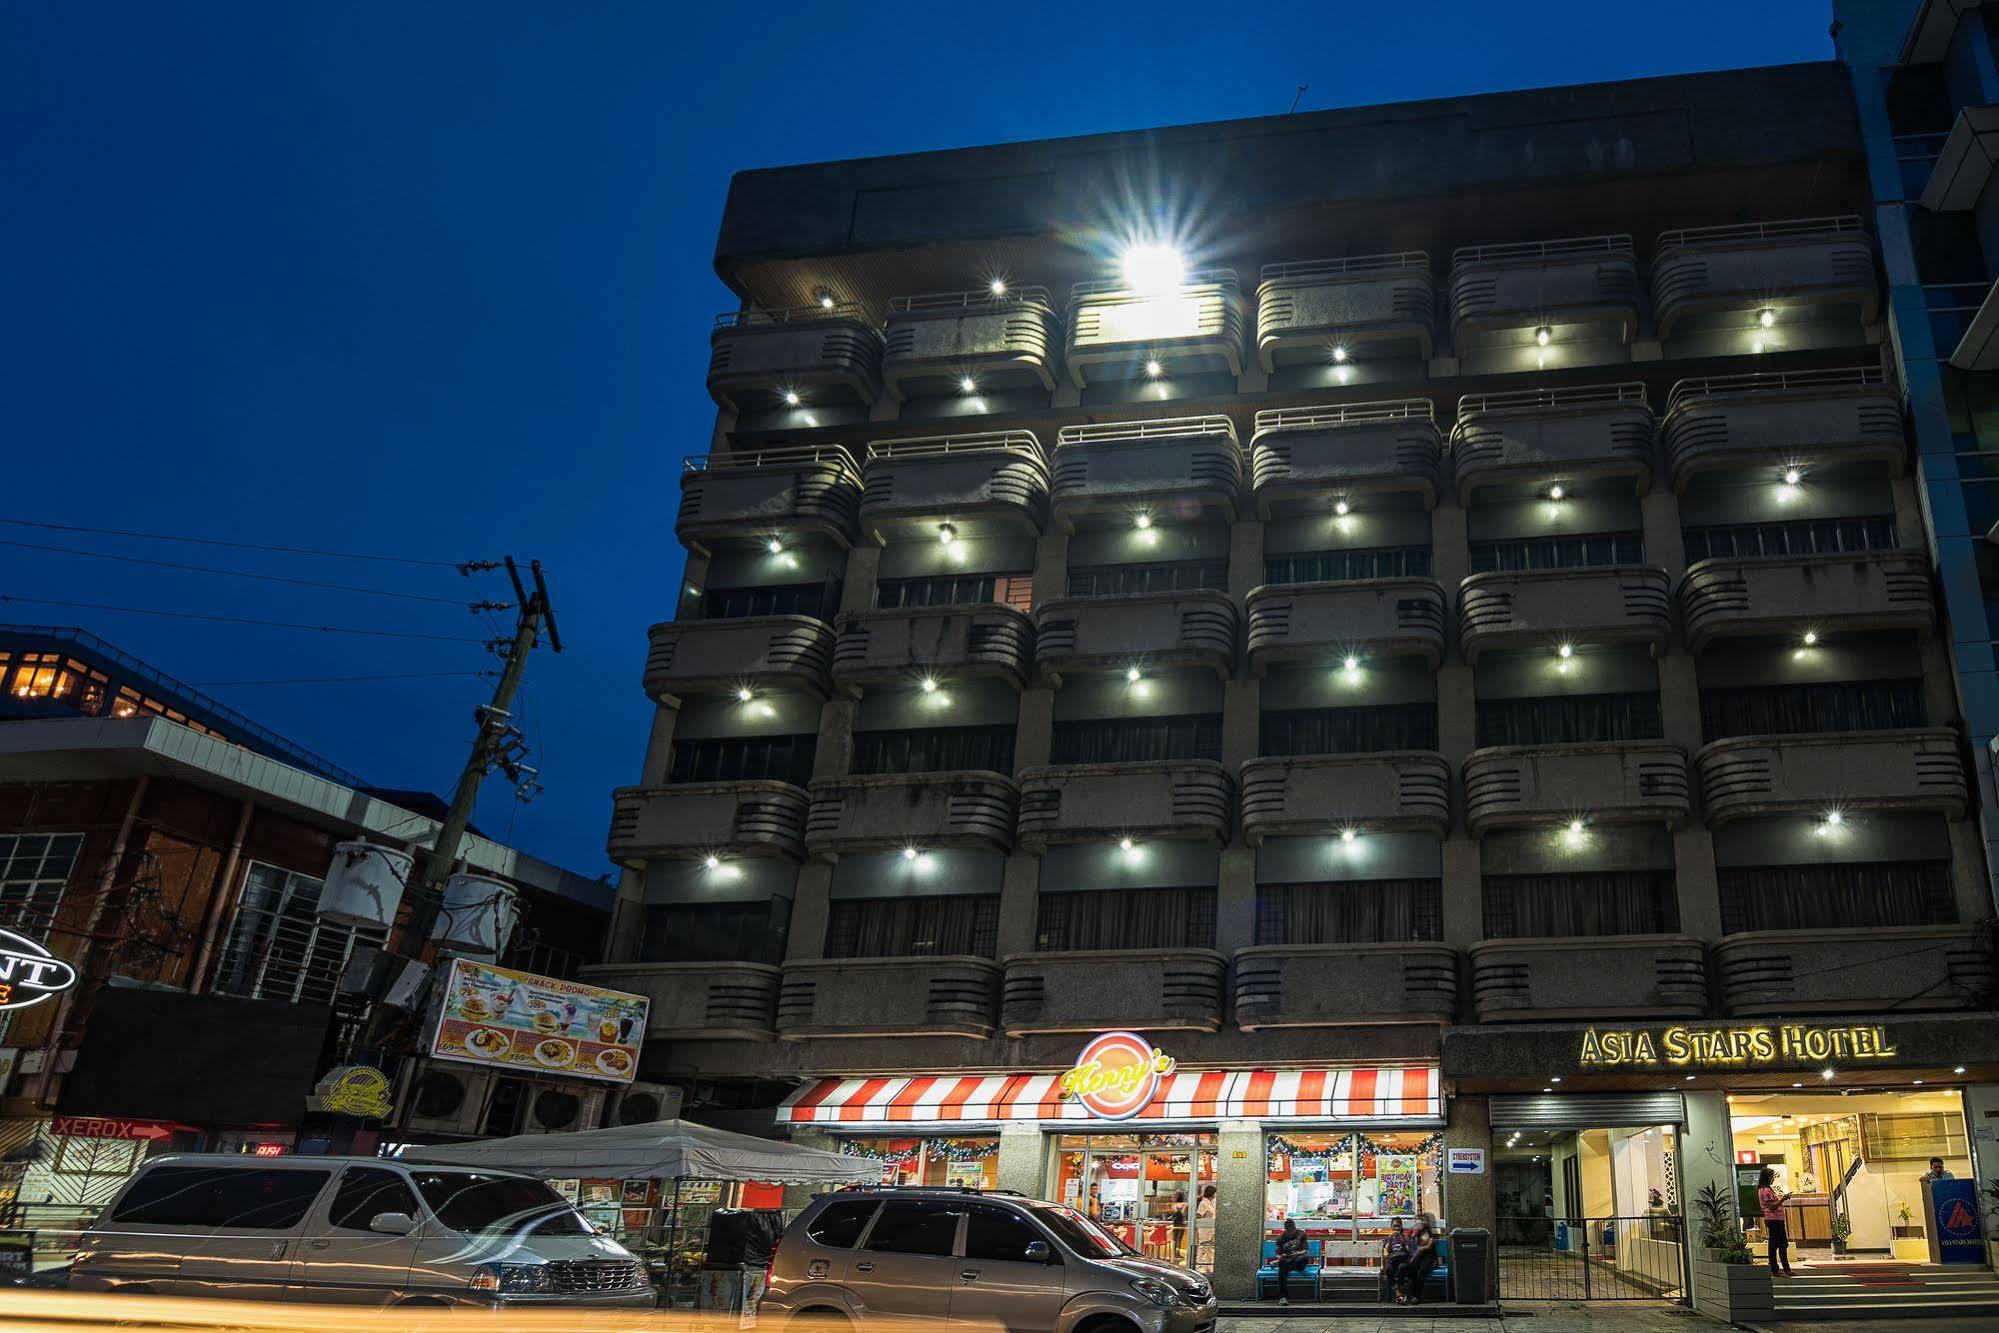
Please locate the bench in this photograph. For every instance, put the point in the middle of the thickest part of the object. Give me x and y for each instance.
(1440, 1275)
(1266, 1273)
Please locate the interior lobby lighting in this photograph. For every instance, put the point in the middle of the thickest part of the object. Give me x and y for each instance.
(1766, 317)
(745, 694)
(1339, 354)
(712, 862)
(1143, 521)
(1557, 491)
(1342, 508)
(1153, 369)
(930, 684)
(1792, 476)
(791, 398)
(1543, 336)
(946, 533)
(1153, 268)
(966, 384)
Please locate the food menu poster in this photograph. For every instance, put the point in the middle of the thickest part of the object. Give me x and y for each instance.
(498, 1017)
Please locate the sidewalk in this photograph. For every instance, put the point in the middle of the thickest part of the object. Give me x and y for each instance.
(1583, 1317)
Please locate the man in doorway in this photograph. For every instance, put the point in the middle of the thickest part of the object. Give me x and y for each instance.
(1938, 1171)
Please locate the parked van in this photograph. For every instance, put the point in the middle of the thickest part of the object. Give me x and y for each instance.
(351, 1230)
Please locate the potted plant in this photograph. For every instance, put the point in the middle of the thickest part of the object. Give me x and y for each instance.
(1906, 1238)
(1842, 1227)
(1728, 1282)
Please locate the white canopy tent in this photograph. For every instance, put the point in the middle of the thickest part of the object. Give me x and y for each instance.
(664, 1150)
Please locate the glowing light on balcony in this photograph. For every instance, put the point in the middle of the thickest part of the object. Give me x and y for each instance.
(1792, 476)
(1339, 354)
(1810, 639)
(1575, 826)
(929, 684)
(1543, 336)
(712, 862)
(791, 398)
(1958, 1070)
(946, 533)
(1153, 268)
(967, 385)
(1125, 844)
(1766, 317)
(1132, 675)
(1828, 1073)
(745, 694)
(909, 853)
(825, 299)
(1556, 1079)
(1342, 508)
(1142, 522)
(1566, 651)
(1350, 664)
(997, 287)
(775, 546)
(1153, 369)
(1689, 1078)
(1347, 835)
(1831, 822)
(1557, 491)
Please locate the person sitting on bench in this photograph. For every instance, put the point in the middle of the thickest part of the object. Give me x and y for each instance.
(1395, 1249)
(1293, 1256)
(1423, 1260)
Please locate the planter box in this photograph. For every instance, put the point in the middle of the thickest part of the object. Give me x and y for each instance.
(1732, 1293)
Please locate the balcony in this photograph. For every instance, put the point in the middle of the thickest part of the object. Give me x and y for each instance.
(881, 811)
(1308, 795)
(1152, 630)
(1342, 985)
(1612, 782)
(1584, 288)
(1611, 976)
(1534, 437)
(1303, 459)
(697, 819)
(1800, 418)
(1851, 771)
(1162, 798)
(743, 497)
(693, 658)
(945, 996)
(1117, 334)
(1787, 596)
(1372, 619)
(767, 360)
(937, 341)
(1783, 973)
(1724, 277)
(1366, 305)
(698, 1001)
(1608, 605)
(1180, 468)
(1143, 990)
(941, 485)
(897, 646)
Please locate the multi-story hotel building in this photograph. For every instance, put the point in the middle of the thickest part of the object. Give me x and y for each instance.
(1423, 613)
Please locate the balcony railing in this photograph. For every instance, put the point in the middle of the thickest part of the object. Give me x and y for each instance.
(919, 486)
(937, 340)
(902, 645)
(1148, 631)
(1882, 969)
(899, 810)
(1609, 976)
(1340, 985)
(1614, 604)
(948, 995)
(1131, 467)
(1503, 295)
(1161, 798)
(1306, 310)
(1541, 436)
(698, 1001)
(1309, 458)
(1799, 418)
(692, 820)
(1553, 785)
(752, 495)
(1734, 273)
(1791, 596)
(1117, 334)
(1371, 620)
(813, 353)
(1147, 990)
(719, 658)
(1848, 771)
(1316, 794)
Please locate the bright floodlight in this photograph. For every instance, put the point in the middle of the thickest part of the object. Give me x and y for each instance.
(1153, 268)
(947, 533)
(1347, 835)
(1143, 521)
(1124, 844)
(1543, 336)
(1792, 476)
(1834, 819)
(930, 684)
(791, 398)
(1811, 638)
(1766, 317)
(1351, 663)
(1576, 826)
(909, 853)
(712, 862)
(1556, 492)
(1566, 651)
(966, 384)
(1153, 370)
(1340, 355)
(1342, 508)
(1131, 675)
(998, 287)
(775, 546)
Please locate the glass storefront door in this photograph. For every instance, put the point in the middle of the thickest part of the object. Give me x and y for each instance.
(1155, 1192)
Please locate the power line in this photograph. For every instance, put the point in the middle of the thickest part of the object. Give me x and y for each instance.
(332, 680)
(215, 541)
(231, 573)
(238, 620)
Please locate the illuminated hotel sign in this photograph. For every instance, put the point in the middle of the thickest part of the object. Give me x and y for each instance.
(1116, 1075)
(1783, 1043)
(29, 973)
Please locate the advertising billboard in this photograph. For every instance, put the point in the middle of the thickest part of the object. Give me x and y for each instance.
(504, 1019)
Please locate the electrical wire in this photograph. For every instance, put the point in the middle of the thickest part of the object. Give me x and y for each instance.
(216, 541)
(239, 620)
(335, 680)
(230, 573)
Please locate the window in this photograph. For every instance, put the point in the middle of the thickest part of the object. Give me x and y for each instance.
(743, 932)
(1380, 562)
(1127, 919)
(1787, 710)
(1016, 590)
(915, 1226)
(935, 750)
(34, 867)
(38, 675)
(1580, 551)
(366, 1193)
(249, 1199)
(1381, 911)
(1165, 576)
(745, 759)
(1859, 896)
(910, 927)
(1130, 740)
(1367, 730)
(1570, 719)
(996, 1234)
(840, 1223)
(279, 948)
(1590, 903)
(1810, 536)
(793, 599)
(477, 1203)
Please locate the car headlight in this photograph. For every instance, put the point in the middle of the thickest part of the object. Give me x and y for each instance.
(513, 1279)
(1159, 1293)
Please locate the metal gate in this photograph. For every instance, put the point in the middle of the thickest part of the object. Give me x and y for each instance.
(1642, 1258)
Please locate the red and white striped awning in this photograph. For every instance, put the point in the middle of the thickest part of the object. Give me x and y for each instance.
(1335, 1096)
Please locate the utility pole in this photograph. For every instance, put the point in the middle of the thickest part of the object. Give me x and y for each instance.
(492, 745)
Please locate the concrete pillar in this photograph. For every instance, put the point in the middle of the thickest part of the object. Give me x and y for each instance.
(1468, 1200)
(1659, 515)
(1680, 702)
(1969, 887)
(797, 1196)
(1034, 729)
(659, 747)
(1450, 551)
(1235, 900)
(693, 581)
(1240, 1180)
(1022, 1159)
(1242, 722)
(1697, 884)
(1464, 909)
(1020, 907)
(1051, 567)
(1707, 1155)
(833, 757)
(857, 593)
(1245, 558)
(628, 918)
(1457, 714)
(811, 905)
(1940, 699)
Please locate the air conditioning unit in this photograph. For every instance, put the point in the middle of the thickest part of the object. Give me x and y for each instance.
(561, 1109)
(446, 1099)
(642, 1104)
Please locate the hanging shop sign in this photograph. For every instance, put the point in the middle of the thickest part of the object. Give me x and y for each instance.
(1116, 1075)
(496, 1016)
(1732, 1047)
(112, 1127)
(29, 973)
(358, 1090)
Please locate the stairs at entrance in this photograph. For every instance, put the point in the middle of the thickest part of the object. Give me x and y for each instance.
(1860, 1289)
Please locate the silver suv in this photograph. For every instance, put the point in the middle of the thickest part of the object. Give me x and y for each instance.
(957, 1255)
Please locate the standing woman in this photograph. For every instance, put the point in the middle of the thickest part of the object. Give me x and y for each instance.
(1771, 1201)
(1204, 1230)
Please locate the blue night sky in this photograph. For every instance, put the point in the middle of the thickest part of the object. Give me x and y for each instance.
(433, 280)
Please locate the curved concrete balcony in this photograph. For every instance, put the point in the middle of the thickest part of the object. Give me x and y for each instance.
(1149, 630)
(1306, 459)
(1313, 794)
(1541, 608)
(1879, 969)
(936, 341)
(897, 646)
(1342, 985)
(949, 995)
(1788, 596)
(747, 496)
(1373, 619)
(817, 353)
(1178, 468)
(1918, 769)
(1799, 418)
(1117, 334)
(698, 1001)
(1610, 782)
(1538, 437)
(1610, 976)
(1585, 287)
(1726, 276)
(1143, 990)
(1368, 304)
(877, 812)
(916, 487)
(693, 658)
(1159, 798)
(696, 819)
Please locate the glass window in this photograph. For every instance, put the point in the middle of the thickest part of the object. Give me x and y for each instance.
(1332, 1191)
(1381, 562)
(948, 590)
(935, 750)
(743, 932)
(1570, 719)
(1127, 919)
(1001, 1235)
(247, 1199)
(475, 1203)
(1150, 1194)
(1787, 710)
(1856, 896)
(745, 759)
(1588, 903)
(915, 1226)
(914, 927)
(1579, 551)
(1368, 730)
(127, 702)
(840, 1223)
(34, 867)
(798, 599)
(1135, 739)
(279, 947)
(365, 1194)
(1811, 536)
(1378, 911)
(1165, 576)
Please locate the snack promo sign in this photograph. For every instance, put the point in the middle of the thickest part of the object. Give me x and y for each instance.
(516, 1020)
(1116, 1075)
